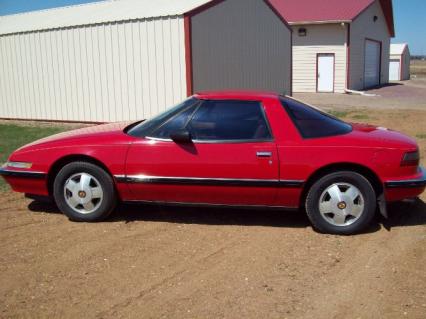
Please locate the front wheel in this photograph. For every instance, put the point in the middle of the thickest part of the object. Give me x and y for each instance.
(84, 192)
(341, 203)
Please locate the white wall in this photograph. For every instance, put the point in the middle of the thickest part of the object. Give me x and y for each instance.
(364, 27)
(105, 72)
(321, 38)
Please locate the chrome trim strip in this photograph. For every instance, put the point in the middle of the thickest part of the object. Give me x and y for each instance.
(408, 183)
(234, 206)
(209, 181)
(195, 141)
(23, 174)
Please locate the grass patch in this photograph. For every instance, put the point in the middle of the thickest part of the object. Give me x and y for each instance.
(13, 136)
(338, 113)
(360, 117)
(421, 135)
(418, 68)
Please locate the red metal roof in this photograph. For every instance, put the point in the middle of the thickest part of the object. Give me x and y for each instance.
(329, 10)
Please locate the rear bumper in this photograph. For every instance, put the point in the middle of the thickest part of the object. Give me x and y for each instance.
(409, 183)
(406, 188)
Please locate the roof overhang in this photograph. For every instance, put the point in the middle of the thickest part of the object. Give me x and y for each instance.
(319, 22)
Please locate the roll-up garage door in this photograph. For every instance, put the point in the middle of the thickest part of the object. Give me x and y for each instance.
(372, 63)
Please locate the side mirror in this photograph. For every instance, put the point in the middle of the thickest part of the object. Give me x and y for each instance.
(181, 136)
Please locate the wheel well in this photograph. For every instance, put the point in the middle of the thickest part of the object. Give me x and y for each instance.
(360, 169)
(56, 167)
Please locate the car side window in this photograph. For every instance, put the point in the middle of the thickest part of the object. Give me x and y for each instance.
(146, 128)
(229, 121)
(178, 122)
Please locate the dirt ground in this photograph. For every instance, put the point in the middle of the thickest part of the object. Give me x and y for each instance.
(158, 262)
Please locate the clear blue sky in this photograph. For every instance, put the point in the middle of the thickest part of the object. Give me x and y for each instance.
(410, 20)
(410, 24)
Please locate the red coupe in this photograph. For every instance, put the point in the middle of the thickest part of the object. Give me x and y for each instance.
(226, 149)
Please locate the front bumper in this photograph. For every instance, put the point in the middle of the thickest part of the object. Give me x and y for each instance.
(6, 172)
(26, 181)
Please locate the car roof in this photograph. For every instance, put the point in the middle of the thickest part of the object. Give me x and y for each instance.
(237, 95)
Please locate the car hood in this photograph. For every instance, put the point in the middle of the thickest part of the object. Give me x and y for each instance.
(94, 134)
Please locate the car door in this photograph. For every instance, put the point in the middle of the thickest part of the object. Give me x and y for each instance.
(231, 158)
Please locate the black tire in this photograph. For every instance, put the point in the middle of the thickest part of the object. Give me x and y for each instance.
(103, 207)
(320, 223)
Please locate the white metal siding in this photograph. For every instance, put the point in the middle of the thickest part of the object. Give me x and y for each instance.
(241, 44)
(95, 13)
(105, 72)
(405, 59)
(326, 38)
(362, 28)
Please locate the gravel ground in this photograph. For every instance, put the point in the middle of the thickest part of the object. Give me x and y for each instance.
(398, 95)
(154, 262)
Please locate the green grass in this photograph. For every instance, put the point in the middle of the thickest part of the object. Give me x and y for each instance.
(360, 117)
(421, 135)
(13, 136)
(339, 114)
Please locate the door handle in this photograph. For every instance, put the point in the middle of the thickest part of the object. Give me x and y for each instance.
(264, 154)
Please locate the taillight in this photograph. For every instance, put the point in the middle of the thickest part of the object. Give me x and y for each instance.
(410, 159)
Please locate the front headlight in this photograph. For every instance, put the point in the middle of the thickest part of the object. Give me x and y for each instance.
(18, 164)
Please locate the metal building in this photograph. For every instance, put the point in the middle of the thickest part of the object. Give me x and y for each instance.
(131, 59)
(339, 45)
(399, 64)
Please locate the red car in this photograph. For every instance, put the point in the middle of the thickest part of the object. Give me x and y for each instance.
(226, 149)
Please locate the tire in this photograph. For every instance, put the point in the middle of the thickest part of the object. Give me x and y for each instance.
(342, 203)
(84, 192)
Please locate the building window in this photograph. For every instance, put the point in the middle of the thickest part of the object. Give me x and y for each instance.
(302, 32)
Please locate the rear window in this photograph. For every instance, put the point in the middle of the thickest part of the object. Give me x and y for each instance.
(313, 123)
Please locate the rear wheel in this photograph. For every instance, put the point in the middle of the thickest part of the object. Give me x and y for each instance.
(341, 203)
(84, 192)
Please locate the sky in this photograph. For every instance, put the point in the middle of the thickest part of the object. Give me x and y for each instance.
(410, 20)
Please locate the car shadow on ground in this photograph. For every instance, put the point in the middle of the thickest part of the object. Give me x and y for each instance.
(401, 214)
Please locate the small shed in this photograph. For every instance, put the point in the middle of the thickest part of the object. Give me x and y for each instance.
(339, 44)
(131, 59)
(399, 63)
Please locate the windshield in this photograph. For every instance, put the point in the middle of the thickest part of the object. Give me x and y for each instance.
(311, 122)
(146, 127)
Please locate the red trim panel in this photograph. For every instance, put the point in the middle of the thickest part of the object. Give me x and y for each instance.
(188, 55)
(348, 57)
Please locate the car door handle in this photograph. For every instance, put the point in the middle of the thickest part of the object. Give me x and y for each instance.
(264, 154)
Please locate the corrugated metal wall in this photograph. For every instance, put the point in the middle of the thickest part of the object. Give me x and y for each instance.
(105, 72)
(241, 44)
(364, 27)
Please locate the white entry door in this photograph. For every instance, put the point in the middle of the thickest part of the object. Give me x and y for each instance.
(372, 63)
(394, 68)
(325, 73)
